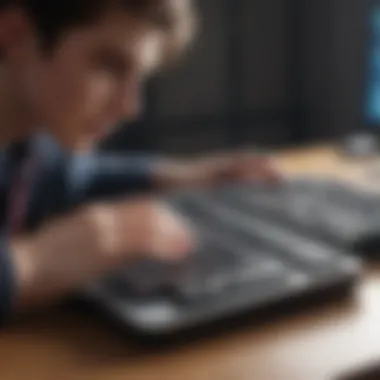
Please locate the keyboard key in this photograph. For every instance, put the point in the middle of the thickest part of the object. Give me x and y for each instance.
(302, 249)
(307, 215)
(251, 235)
(256, 276)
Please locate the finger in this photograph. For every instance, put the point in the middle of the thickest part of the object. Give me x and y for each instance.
(171, 238)
(258, 170)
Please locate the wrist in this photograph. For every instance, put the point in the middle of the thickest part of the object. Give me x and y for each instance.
(172, 175)
(25, 272)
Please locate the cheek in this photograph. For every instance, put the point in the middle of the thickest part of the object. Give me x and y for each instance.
(65, 94)
(72, 96)
(98, 91)
(66, 98)
(79, 98)
(57, 95)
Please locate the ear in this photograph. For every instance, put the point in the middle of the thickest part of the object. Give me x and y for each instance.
(16, 32)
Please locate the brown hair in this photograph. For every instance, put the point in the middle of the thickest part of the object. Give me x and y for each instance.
(176, 18)
(52, 18)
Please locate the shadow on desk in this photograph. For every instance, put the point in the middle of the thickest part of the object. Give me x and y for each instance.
(94, 338)
(64, 339)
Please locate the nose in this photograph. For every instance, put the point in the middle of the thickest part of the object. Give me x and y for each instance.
(128, 102)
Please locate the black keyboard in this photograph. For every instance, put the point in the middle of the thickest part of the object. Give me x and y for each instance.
(259, 246)
(340, 214)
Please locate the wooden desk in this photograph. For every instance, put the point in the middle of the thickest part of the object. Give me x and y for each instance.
(314, 345)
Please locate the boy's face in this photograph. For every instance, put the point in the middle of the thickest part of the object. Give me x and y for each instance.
(91, 80)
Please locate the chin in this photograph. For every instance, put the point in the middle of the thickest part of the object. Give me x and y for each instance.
(87, 144)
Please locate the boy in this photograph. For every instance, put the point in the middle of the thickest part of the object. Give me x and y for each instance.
(72, 69)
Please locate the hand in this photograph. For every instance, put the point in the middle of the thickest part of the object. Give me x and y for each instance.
(68, 253)
(216, 170)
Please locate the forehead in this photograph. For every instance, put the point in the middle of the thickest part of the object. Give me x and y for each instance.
(121, 33)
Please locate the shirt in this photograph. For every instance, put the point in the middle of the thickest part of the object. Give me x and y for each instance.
(61, 181)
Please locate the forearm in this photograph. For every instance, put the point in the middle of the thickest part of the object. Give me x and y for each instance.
(26, 293)
(22, 289)
(100, 177)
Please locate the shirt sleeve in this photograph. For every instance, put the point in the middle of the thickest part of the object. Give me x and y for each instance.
(7, 282)
(103, 176)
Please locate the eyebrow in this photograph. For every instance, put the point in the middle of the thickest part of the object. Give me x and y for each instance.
(117, 60)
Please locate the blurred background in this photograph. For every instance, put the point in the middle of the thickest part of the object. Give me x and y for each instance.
(273, 72)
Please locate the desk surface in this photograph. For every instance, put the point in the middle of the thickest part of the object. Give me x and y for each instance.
(312, 345)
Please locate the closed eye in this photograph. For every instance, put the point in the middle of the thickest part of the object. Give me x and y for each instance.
(113, 62)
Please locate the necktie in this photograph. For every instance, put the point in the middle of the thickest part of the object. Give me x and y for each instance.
(20, 194)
